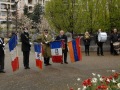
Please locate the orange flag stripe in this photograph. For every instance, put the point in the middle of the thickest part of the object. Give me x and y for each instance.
(71, 51)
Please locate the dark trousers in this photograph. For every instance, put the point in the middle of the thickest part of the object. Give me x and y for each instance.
(46, 60)
(2, 57)
(64, 55)
(26, 58)
(114, 51)
(111, 48)
(100, 48)
(87, 49)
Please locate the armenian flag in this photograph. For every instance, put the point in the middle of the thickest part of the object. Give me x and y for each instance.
(38, 55)
(75, 50)
(56, 51)
(14, 52)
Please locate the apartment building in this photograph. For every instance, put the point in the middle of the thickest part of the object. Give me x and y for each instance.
(4, 5)
(10, 4)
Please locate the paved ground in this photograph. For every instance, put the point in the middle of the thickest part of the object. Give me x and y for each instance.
(57, 76)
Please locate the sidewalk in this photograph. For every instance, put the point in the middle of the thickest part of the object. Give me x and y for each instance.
(56, 76)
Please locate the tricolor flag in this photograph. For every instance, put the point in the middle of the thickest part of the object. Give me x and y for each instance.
(75, 50)
(56, 51)
(38, 55)
(14, 52)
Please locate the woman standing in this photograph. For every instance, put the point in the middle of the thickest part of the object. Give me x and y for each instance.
(86, 40)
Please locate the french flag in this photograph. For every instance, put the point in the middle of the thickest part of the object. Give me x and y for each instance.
(38, 55)
(14, 52)
(56, 51)
(75, 50)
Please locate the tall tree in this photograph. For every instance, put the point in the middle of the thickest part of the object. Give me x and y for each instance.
(82, 15)
(36, 15)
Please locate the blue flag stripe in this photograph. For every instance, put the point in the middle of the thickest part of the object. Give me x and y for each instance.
(37, 48)
(12, 42)
(75, 50)
(55, 44)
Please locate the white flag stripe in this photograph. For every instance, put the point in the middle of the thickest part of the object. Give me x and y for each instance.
(38, 56)
(13, 54)
(56, 52)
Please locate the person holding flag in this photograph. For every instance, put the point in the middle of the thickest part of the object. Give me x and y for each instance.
(25, 47)
(45, 39)
(2, 54)
(63, 38)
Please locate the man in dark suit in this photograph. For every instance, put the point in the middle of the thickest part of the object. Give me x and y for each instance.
(2, 55)
(62, 36)
(114, 37)
(25, 48)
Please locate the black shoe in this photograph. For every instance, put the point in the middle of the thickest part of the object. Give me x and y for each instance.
(49, 64)
(46, 64)
(66, 62)
(2, 72)
(102, 55)
(27, 67)
(61, 62)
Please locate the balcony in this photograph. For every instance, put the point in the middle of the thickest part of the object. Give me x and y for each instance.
(4, 0)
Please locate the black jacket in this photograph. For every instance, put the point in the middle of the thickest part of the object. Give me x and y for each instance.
(25, 42)
(86, 41)
(114, 37)
(2, 46)
(65, 38)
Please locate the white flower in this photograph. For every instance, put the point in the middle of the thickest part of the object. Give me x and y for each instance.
(78, 79)
(93, 74)
(94, 80)
(101, 79)
(79, 88)
(99, 75)
(84, 88)
(118, 85)
(114, 81)
(113, 71)
(108, 80)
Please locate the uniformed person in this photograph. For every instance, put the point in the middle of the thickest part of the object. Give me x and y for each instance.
(25, 47)
(45, 39)
(2, 55)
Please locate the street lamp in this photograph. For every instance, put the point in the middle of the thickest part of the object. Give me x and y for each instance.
(7, 9)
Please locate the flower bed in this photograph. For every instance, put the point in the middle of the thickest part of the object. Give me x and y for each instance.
(99, 82)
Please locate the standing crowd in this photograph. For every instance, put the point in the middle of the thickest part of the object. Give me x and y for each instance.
(100, 39)
(46, 38)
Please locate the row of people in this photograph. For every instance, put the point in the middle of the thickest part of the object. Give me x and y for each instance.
(45, 39)
(114, 37)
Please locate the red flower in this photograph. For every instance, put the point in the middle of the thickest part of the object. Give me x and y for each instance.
(102, 87)
(71, 88)
(115, 75)
(110, 77)
(87, 82)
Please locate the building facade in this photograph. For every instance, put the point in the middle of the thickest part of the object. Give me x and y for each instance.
(8, 7)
